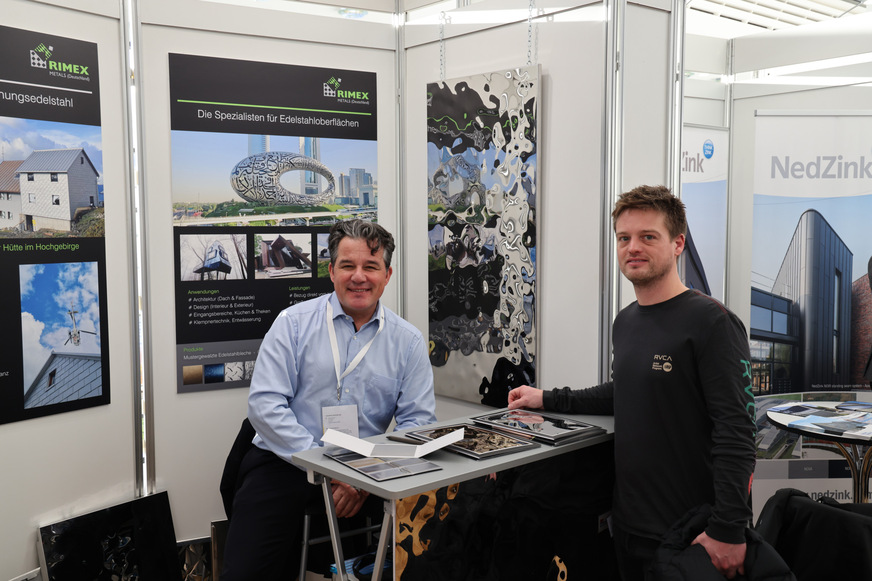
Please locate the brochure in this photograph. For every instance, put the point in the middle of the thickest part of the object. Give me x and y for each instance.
(808, 409)
(857, 406)
(829, 421)
(365, 448)
(380, 468)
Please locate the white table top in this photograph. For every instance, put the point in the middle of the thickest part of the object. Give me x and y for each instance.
(455, 468)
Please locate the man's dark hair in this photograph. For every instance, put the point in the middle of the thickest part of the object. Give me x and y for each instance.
(375, 235)
(657, 198)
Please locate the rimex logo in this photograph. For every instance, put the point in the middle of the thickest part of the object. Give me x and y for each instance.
(331, 89)
(331, 86)
(41, 58)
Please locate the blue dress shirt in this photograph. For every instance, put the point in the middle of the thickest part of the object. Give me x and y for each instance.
(294, 377)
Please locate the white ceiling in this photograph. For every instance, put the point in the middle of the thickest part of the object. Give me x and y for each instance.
(719, 17)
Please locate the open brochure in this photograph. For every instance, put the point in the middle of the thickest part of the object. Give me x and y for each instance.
(828, 421)
(371, 449)
(478, 442)
(382, 468)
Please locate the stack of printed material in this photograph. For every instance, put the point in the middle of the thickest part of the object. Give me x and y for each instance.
(843, 420)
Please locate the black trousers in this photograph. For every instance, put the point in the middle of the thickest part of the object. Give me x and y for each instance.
(635, 554)
(266, 527)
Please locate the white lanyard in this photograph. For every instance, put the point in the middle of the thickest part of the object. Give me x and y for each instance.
(331, 330)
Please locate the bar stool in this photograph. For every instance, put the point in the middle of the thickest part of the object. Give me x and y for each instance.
(314, 508)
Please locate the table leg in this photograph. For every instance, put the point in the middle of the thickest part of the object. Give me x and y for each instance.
(866, 467)
(852, 464)
(333, 523)
(385, 534)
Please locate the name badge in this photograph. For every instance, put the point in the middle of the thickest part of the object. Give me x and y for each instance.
(342, 418)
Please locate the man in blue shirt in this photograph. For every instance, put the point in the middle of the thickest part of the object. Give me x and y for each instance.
(341, 360)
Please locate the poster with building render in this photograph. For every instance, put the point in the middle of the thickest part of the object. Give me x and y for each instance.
(482, 161)
(52, 250)
(704, 169)
(810, 294)
(265, 158)
(811, 302)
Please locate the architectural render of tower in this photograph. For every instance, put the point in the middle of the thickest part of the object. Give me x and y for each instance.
(361, 185)
(310, 182)
(801, 329)
(258, 144)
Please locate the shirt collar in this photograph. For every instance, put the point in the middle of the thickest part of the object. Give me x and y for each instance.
(339, 312)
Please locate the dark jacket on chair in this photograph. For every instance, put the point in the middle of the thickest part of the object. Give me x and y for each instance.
(230, 481)
(819, 539)
(677, 560)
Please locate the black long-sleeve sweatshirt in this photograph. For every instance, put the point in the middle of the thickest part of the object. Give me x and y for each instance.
(684, 415)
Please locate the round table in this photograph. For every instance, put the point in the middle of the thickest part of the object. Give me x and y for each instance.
(857, 451)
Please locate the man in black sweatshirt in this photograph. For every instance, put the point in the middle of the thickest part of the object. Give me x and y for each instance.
(680, 394)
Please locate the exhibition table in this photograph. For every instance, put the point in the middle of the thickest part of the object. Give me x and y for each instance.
(856, 450)
(454, 468)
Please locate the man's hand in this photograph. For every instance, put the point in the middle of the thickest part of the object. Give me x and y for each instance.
(347, 499)
(525, 397)
(727, 558)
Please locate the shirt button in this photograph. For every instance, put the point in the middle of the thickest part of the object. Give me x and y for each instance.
(346, 391)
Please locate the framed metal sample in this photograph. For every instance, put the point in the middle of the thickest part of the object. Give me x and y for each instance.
(540, 426)
(482, 215)
(131, 540)
(478, 442)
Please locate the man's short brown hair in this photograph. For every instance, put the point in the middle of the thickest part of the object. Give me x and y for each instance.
(657, 198)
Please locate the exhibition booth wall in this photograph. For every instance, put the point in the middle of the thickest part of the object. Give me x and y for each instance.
(808, 240)
(194, 431)
(796, 237)
(572, 89)
(69, 463)
(601, 129)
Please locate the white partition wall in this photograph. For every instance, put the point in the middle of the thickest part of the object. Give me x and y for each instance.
(71, 463)
(193, 432)
(646, 95)
(706, 99)
(646, 67)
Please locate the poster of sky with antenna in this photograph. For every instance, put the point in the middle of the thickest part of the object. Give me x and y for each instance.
(60, 326)
(52, 229)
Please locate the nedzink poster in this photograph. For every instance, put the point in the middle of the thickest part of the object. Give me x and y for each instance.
(810, 291)
(52, 248)
(704, 169)
(265, 158)
(811, 300)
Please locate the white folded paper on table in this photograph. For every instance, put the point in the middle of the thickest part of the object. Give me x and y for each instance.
(371, 449)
